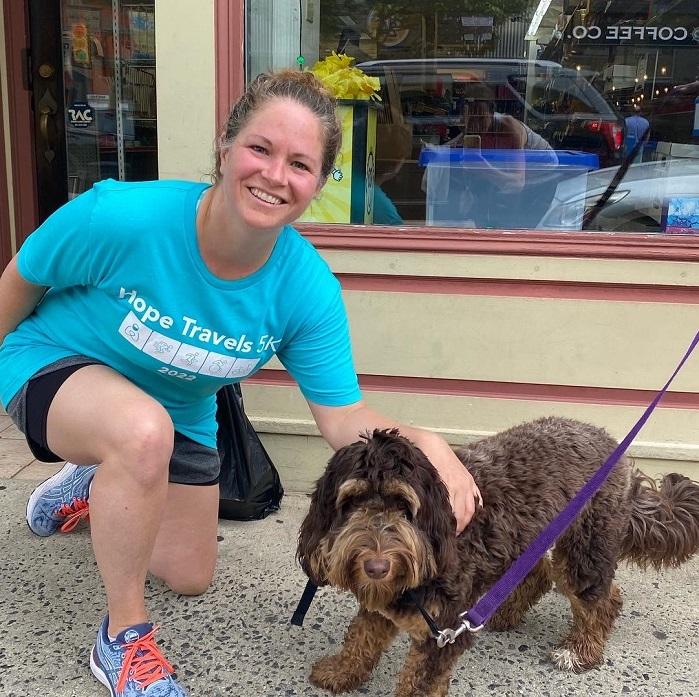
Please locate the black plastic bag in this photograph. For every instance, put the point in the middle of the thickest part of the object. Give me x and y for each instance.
(250, 484)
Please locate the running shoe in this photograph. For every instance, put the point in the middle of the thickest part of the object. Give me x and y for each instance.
(132, 665)
(60, 502)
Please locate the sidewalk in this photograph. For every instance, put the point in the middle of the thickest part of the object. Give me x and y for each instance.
(237, 641)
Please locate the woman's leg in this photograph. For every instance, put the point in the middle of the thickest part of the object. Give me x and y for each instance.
(98, 416)
(185, 549)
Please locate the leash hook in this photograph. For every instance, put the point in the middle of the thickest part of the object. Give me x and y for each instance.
(448, 636)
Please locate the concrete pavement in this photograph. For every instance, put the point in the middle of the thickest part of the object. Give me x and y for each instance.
(236, 640)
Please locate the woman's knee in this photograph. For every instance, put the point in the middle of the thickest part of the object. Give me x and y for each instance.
(187, 580)
(146, 448)
(186, 548)
(190, 586)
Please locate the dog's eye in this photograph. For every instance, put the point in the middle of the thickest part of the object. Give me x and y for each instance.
(347, 506)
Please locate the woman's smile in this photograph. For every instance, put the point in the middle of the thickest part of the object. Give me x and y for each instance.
(265, 196)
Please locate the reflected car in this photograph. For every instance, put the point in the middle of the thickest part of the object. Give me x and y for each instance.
(637, 204)
(423, 104)
(557, 103)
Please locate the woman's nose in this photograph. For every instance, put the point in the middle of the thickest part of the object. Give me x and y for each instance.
(275, 171)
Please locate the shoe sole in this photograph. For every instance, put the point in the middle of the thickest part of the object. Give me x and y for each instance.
(99, 673)
(68, 468)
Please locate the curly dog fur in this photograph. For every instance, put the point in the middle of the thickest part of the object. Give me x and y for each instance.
(380, 523)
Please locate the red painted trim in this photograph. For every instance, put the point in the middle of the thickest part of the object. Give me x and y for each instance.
(229, 20)
(575, 290)
(604, 396)
(599, 245)
(21, 121)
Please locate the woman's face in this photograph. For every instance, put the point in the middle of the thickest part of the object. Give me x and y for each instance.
(272, 170)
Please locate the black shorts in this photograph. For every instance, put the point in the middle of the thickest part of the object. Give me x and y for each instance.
(191, 462)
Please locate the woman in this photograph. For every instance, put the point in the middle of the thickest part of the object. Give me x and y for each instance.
(487, 179)
(153, 295)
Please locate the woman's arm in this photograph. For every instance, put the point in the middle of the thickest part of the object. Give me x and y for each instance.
(341, 426)
(18, 298)
(510, 178)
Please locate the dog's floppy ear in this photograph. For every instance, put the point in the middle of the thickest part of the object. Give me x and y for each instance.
(323, 511)
(434, 516)
(437, 521)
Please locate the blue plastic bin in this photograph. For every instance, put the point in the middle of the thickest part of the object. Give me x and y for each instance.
(507, 189)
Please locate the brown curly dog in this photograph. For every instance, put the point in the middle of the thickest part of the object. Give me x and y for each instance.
(380, 523)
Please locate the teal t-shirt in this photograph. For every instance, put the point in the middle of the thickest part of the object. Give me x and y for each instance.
(128, 286)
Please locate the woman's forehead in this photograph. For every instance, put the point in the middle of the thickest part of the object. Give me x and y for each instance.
(283, 108)
(286, 120)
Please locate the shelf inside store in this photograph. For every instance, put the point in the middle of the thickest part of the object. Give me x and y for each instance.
(138, 62)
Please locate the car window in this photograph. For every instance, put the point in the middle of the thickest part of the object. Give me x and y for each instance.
(562, 95)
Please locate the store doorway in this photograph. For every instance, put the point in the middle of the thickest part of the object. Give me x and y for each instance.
(92, 77)
(46, 81)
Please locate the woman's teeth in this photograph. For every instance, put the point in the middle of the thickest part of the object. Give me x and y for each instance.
(264, 196)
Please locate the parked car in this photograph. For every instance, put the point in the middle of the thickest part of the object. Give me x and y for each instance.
(423, 103)
(638, 204)
(672, 115)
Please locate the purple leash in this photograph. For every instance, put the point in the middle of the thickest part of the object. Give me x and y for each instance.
(474, 619)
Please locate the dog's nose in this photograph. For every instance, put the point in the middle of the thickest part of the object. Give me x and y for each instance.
(376, 568)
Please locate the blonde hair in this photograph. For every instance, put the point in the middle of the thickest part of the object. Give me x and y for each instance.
(304, 88)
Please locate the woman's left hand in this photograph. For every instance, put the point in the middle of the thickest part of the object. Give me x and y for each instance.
(464, 495)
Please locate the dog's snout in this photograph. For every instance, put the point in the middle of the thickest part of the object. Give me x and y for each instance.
(376, 567)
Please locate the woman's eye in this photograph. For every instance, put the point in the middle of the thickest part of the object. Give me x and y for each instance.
(300, 165)
(258, 148)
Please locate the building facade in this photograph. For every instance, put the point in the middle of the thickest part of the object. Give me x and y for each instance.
(494, 270)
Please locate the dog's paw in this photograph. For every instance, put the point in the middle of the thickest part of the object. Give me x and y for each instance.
(568, 659)
(565, 659)
(336, 674)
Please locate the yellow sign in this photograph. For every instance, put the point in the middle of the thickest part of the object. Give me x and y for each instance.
(348, 195)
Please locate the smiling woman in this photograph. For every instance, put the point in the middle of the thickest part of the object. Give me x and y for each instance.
(270, 172)
(280, 141)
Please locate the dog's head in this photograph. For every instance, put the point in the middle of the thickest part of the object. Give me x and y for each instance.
(379, 521)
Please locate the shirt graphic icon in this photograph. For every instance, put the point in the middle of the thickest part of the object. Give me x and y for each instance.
(134, 331)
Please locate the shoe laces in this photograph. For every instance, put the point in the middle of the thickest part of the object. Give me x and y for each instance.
(143, 663)
(73, 512)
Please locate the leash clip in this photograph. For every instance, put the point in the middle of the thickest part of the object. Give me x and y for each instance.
(448, 636)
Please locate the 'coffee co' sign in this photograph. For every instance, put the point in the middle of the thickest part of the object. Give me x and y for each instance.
(636, 34)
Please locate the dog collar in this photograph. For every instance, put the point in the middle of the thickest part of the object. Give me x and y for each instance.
(441, 636)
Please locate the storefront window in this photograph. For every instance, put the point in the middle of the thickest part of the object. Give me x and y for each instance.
(550, 114)
(109, 82)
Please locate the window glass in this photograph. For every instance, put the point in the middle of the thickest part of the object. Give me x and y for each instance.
(538, 114)
(109, 82)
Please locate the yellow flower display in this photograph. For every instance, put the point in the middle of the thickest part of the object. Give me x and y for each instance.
(345, 81)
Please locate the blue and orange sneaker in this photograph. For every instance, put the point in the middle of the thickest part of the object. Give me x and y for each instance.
(132, 665)
(60, 502)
